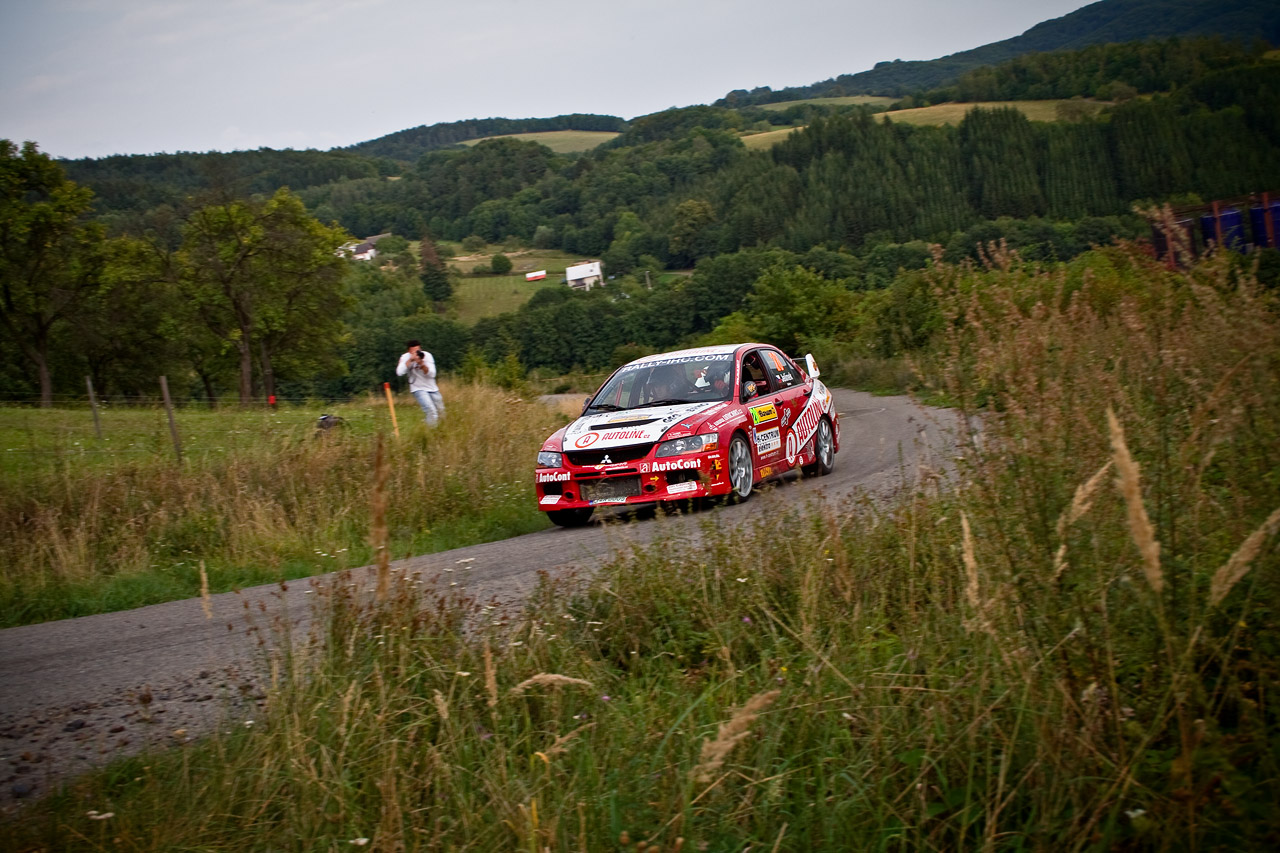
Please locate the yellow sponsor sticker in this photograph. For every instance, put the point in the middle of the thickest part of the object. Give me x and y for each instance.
(762, 414)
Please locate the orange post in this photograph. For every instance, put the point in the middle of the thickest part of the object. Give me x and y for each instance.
(391, 404)
(1268, 221)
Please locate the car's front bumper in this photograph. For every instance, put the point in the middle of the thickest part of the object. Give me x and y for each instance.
(646, 480)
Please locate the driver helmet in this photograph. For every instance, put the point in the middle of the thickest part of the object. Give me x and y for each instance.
(667, 377)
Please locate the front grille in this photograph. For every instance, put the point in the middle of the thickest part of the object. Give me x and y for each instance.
(629, 453)
(611, 488)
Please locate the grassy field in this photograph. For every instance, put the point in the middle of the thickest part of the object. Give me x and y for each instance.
(89, 526)
(559, 141)
(475, 297)
(849, 100)
(935, 115)
(953, 113)
(767, 139)
(1076, 647)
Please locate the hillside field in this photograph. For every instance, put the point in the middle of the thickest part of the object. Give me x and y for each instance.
(768, 139)
(953, 113)
(933, 116)
(862, 100)
(559, 141)
(477, 297)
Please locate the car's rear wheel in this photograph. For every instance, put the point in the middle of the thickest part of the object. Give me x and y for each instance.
(570, 517)
(741, 471)
(825, 451)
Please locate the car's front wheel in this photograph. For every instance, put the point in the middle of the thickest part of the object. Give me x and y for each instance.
(741, 471)
(570, 517)
(825, 451)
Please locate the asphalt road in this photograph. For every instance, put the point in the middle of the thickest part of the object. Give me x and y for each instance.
(78, 692)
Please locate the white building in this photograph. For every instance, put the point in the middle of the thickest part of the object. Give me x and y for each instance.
(584, 276)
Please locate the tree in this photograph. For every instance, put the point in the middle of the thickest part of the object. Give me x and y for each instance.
(433, 273)
(50, 257)
(501, 264)
(694, 218)
(265, 277)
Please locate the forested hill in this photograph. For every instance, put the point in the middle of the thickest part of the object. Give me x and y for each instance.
(408, 145)
(1105, 22)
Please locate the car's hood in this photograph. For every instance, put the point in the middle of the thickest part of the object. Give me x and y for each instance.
(634, 426)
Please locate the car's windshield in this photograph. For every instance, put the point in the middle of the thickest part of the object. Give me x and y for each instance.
(667, 382)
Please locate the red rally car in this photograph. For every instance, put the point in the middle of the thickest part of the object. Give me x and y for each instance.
(689, 424)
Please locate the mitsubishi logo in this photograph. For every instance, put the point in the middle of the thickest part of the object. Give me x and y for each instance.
(605, 460)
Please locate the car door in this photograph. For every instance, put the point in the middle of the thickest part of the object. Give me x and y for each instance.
(789, 392)
(765, 411)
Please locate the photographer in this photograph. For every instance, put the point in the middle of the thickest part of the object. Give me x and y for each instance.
(420, 367)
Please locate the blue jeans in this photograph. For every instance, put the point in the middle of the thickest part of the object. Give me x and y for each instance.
(432, 405)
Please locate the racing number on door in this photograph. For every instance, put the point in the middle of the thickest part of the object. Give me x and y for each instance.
(789, 397)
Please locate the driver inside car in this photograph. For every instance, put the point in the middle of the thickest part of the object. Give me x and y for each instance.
(667, 383)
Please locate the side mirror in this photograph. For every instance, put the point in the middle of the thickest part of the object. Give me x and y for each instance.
(585, 403)
(749, 390)
(811, 366)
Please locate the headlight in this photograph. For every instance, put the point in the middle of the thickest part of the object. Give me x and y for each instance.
(691, 444)
(550, 459)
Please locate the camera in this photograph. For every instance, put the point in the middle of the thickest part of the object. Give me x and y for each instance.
(420, 354)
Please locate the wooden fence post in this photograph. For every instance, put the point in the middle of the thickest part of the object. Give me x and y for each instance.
(391, 404)
(93, 404)
(173, 425)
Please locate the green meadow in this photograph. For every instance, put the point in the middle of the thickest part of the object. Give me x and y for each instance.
(90, 525)
(479, 296)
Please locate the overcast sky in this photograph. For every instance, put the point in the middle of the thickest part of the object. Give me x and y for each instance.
(89, 78)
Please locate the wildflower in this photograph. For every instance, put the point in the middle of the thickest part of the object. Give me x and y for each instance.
(741, 580)
(359, 842)
(604, 699)
(93, 815)
(746, 619)
(248, 724)
(462, 672)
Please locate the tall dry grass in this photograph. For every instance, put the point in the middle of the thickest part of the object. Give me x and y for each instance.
(990, 667)
(86, 538)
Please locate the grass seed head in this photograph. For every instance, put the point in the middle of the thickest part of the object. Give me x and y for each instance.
(547, 678)
(738, 727)
(1130, 484)
(1237, 566)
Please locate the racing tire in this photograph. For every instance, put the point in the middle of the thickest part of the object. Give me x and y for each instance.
(742, 472)
(824, 450)
(570, 517)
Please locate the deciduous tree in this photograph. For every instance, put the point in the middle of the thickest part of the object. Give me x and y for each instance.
(50, 256)
(266, 277)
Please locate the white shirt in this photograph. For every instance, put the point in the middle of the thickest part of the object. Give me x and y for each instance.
(421, 373)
